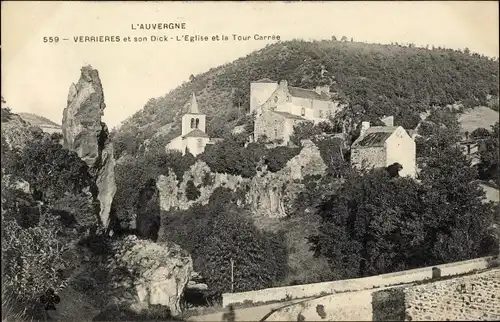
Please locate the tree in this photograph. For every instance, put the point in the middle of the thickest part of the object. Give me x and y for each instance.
(489, 159)
(304, 130)
(218, 232)
(344, 38)
(377, 224)
(52, 170)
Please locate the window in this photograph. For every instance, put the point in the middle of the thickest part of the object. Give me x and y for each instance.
(197, 123)
(192, 123)
(200, 143)
(289, 98)
(321, 113)
(303, 112)
(276, 133)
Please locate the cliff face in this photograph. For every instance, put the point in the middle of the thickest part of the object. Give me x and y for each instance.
(85, 133)
(147, 273)
(267, 194)
(17, 132)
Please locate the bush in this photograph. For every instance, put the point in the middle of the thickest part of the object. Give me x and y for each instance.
(32, 258)
(233, 158)
(277, 157)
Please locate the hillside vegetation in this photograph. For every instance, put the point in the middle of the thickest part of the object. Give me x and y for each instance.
(374, 80)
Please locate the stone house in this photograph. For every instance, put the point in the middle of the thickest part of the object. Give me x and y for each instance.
(278, 107)
(193, 136)
(381, 146)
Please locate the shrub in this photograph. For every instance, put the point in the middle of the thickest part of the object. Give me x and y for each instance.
(233, 158)
(277, 157)
(32, 258)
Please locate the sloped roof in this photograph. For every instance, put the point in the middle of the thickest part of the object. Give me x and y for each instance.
(373, 139)
(307, 93)
(196, 133)
(289, 116)
(375, 136)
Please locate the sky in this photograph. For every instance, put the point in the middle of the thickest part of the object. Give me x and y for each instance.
(36, 76)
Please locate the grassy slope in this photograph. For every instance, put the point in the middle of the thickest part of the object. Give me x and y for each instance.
(37, 120)
(478, 117)
(377, 79)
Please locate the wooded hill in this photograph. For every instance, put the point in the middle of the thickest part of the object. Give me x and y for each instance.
(374, 80)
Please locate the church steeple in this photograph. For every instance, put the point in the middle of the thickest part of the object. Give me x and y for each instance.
(193, 107)
(193, 119)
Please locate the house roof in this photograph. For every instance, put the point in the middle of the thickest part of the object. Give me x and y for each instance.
(307, 93)
(289, 116)
(375, 136)
(196, 133)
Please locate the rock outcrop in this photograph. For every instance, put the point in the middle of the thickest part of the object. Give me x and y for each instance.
(85, 133)
(149, 273)
(268, 194)
(16, 132)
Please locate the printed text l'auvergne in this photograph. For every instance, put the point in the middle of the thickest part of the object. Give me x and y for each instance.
(158, 26)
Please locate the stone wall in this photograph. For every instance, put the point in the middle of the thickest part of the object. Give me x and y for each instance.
(471, 297)
(367, 157)
(383, 280)
(270, 125)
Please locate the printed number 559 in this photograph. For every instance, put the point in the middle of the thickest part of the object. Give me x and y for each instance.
(50, 39)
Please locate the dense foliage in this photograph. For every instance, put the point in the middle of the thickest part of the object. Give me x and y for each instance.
(232, 157)
(219, 232)
(376, 223)
(373, 80)
(42, 225)
(489, 166)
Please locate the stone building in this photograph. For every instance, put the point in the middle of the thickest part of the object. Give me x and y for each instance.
(381, 146)
(278, 107)
(193, 137)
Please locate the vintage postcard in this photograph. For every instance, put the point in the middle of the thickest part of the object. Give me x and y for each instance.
(250, 161)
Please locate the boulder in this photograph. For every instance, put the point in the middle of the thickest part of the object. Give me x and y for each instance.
(85, 133)
(158, 273)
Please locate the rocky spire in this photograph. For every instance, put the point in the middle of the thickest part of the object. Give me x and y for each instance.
(86, 134)
(193, 106)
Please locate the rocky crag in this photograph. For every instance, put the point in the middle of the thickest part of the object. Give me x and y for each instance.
(85, 133)
(268, 194)
(145, 274)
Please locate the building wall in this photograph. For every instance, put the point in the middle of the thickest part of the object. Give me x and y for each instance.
(369, 157)
(176, 144)
(468, 298)
(196, 145)
(186, 122)
(364, 283)
(400, 147)
(271, 125)
(259, 93)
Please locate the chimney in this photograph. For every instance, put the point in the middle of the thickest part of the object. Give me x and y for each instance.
(388, 121)
(318, 89)
(283, 83)
(364, 126)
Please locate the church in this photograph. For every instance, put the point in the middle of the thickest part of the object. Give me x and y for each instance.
(193, 137)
